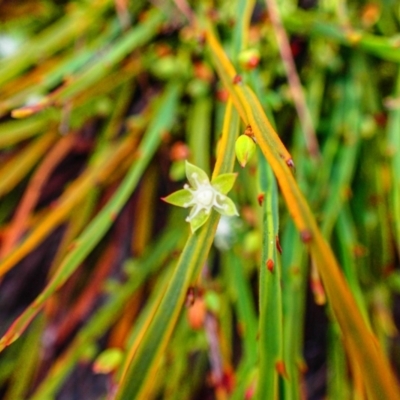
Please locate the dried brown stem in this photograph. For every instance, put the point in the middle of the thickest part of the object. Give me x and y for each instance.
(293, 79)
(185, 9)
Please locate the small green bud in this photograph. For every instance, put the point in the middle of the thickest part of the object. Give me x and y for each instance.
(368, 127)
(198, 88)
(212, 301)
(244, 148)
(249, 59)
(108, 361)
(177, 170)
(169, 67)
(104, 106)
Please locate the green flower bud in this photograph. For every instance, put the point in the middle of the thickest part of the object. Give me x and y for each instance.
(212, 301)
(249, 59)
(108, 361)
(244, 148)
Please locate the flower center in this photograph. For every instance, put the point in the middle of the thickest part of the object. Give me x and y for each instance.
(205, 197)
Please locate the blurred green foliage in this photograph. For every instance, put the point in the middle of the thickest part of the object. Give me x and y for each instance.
(106, 293)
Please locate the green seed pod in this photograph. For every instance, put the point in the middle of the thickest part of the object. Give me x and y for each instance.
(244, 148)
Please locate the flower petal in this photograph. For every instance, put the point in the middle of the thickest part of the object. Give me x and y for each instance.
(223, 183)
(179, 198)
(228, 207)
(195, 175)
(199, 220)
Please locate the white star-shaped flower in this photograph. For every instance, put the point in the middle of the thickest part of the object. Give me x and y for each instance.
(203, 195)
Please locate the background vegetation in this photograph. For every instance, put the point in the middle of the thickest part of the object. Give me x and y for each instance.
(105, 293)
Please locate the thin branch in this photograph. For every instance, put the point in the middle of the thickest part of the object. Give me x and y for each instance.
(185, 9)
(293, 79)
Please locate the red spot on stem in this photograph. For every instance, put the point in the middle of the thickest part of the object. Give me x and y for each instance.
(237, 79)
(270, 265)
(281, 369)
(253, 62)
(250, 392)
(290, 163)
(228, 381)
(249, 131)
(260, 199)
(318, 291)
(306, 236)
(278, 244)
(222, 95)
(72, 246)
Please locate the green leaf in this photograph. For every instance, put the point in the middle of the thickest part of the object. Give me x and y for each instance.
(195, 175)
(224, 182)
(179, 198)
(228, 207)
(199, 220)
